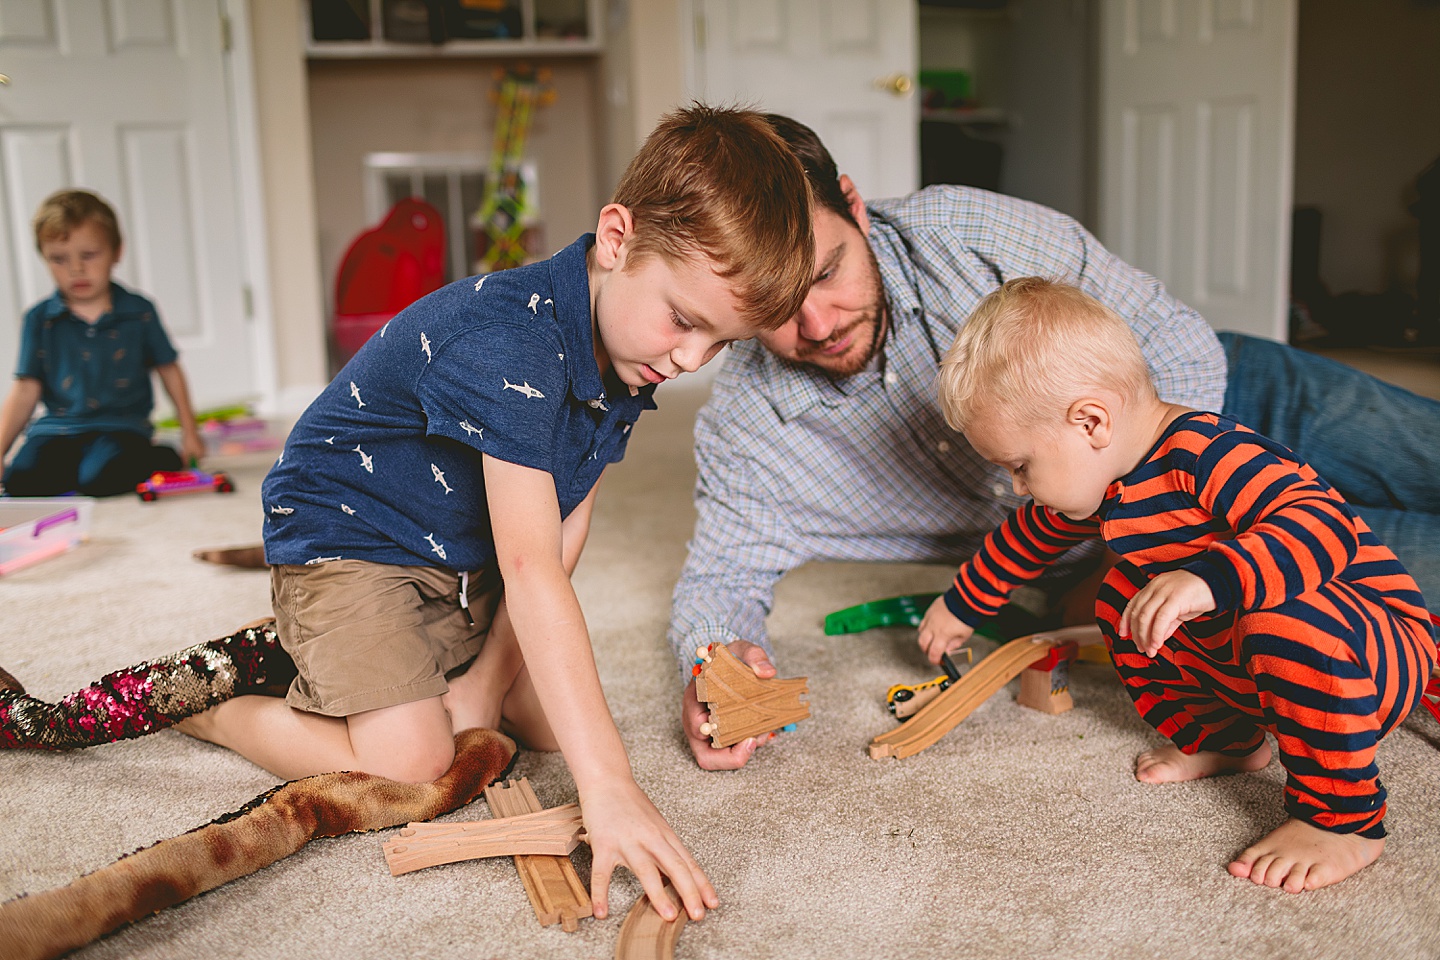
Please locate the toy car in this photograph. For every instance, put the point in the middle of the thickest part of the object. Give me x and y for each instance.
(904, 700)
(163, 483)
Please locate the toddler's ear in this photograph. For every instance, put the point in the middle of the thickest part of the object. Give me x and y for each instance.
(616, 225)
(1093, 417)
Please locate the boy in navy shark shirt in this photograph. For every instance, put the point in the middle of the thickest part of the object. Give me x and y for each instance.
(429, 507)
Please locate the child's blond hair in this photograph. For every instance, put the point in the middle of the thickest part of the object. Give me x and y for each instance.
(1033, 347)
(719, 182)
(65, 210)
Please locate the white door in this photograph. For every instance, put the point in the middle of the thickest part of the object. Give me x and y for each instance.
(1196, 151)
(128, 98)
(845, 68)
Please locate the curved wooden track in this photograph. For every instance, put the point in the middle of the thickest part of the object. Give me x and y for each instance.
(645, 935)
(940, 715)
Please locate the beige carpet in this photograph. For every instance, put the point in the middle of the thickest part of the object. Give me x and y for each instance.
(1018, 835)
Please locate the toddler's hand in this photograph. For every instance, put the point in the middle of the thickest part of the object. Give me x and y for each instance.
(625, 828)
(942, 632)
(1154, 614)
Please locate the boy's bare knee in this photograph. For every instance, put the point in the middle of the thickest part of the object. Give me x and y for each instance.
(420, 763)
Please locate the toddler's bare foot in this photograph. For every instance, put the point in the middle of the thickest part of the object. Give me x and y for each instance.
(1168, 765)
(1297, 856)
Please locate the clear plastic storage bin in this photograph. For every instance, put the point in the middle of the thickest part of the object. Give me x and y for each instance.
(32, 530)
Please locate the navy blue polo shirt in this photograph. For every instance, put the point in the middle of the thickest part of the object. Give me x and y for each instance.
(385, 465)
(94, 376)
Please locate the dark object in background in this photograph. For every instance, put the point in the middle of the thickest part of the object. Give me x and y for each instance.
(332, 20)
(1393, 319)
(1427, 285)
(483, 19)
(950, 155)
(413, 21)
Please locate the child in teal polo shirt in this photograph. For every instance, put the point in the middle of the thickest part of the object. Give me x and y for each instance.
(87, 351)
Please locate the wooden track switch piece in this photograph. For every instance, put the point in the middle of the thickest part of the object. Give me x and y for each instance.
(1045, 686)
(554, 889)
(741, 704)
(645, 935)
(556, 832)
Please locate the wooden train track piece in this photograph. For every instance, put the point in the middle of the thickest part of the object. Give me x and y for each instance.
(555, 832)
(942, 714)
(741, 704)
(645, 935)
(554, 889)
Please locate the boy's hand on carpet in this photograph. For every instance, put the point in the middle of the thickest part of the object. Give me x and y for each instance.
(625, 828)
(693, 713)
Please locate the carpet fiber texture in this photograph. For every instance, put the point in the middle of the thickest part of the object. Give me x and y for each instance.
(1017, 835)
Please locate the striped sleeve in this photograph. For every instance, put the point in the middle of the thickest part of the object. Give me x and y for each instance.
(1016, 552)
(1293, 533)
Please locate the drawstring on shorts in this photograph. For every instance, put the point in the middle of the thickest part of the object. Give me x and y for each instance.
(465, 597)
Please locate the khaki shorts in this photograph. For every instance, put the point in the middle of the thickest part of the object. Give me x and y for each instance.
(370, 635)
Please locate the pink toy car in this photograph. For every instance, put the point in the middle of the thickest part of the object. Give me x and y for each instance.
(163, 483)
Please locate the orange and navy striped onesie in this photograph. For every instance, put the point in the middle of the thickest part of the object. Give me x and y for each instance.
(1318, 636)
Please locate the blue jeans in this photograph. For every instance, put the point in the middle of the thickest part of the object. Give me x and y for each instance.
(1377, 444)
(94, 464)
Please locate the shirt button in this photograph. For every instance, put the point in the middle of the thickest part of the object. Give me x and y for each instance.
(943, 446)
(891, 378)
(999, 489)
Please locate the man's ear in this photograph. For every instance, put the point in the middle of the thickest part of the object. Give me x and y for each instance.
(856, 202)
(1092, 416)
(613, 229)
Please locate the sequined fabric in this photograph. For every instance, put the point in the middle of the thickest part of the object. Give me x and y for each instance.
(148, 697)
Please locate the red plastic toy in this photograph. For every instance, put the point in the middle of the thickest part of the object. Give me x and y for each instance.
(163, 483)
(385, 270)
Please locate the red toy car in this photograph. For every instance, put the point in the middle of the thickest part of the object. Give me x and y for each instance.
(163, 483)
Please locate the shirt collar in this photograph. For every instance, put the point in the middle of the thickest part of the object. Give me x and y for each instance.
(570, 285)
(122, 301)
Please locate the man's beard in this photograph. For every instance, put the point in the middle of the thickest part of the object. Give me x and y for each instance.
(868, 331)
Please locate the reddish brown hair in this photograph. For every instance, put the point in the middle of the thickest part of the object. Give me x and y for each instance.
(720, 183)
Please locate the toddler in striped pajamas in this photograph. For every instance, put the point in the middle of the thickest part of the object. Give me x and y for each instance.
(1248, 597)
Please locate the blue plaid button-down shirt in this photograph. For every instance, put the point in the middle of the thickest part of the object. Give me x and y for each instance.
(795, 466)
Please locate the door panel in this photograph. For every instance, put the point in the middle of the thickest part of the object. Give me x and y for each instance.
(1196, 147)
(129, 98)
(823, 62)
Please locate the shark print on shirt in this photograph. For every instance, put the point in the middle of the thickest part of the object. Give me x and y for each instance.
(468, 427)
(282, 511)
(524, 388)
(355, 392)
(440, 477)
(534, 299)
(366, 461)
(425, 345)
(437, 548)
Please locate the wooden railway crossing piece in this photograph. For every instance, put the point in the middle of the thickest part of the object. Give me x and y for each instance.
(540, 840)
(741, 704)
(554, 889)
(942, 714)
(555, 832)
(645, 935)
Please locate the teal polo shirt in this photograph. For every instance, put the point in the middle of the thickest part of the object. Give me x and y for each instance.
(94, 376)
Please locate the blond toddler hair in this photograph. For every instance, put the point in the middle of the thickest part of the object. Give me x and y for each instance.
(1033, 347)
